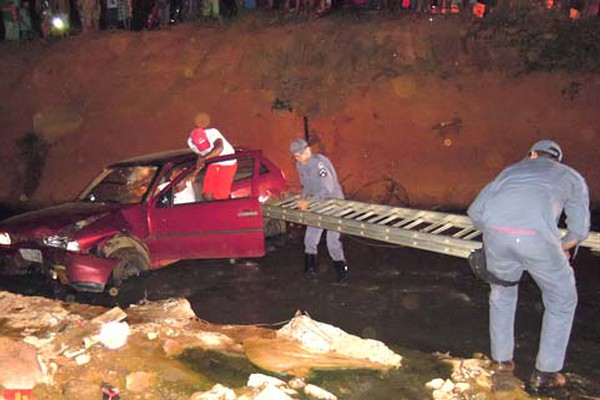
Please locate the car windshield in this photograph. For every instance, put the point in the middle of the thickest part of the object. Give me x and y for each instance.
(123, 185)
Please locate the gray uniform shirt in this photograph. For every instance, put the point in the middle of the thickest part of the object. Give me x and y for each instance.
(531, 196)
(319, 179)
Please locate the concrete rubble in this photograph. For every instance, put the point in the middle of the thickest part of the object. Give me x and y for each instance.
(64, 350)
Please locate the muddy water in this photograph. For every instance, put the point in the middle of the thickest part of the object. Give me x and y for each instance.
(407, 298)
(416, 302)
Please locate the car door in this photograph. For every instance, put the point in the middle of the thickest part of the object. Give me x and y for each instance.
(199, 228)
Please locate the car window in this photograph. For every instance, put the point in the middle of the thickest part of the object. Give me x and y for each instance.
(196, 186)
(123, 185)
(184, 189)
(170, 175)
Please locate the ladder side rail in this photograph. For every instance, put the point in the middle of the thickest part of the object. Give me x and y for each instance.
(351, 210)
(424, 241)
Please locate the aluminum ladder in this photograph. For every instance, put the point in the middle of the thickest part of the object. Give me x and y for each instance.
(439, 232)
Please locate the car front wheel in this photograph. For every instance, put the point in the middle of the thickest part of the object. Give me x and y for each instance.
(131, 263)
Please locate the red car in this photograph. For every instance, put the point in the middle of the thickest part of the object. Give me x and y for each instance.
(142, 214)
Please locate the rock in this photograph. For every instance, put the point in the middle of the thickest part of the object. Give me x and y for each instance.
(83, 359)
(272, 393)
(172, 347)
(218, 392)
(319, 337)
(175, 312)
(214, 340)
(441, 395)
(318, 393)
(140, 381)
(297, 383)
(260, 381)
(152, 335)
(113, 335)
(20, 367)
(32, 313)
(448, 386)
(435, 384)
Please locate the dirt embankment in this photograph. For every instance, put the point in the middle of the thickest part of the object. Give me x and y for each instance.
(407, 108)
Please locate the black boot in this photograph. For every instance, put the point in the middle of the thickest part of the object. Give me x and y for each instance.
(310, 265)
(342, 270)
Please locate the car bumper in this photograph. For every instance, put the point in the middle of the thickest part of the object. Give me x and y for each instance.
(83, 272)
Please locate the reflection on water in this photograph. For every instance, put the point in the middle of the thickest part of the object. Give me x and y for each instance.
(405, 383)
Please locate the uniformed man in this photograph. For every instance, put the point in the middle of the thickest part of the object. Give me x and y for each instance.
(518, 213)
(319, 182)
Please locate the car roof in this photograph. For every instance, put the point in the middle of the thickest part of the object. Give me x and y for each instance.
(162, 158)
(157, 159)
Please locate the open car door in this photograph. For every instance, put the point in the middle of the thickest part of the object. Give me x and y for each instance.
(185, 226)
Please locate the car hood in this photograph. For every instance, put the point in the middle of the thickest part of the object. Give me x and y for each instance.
(54, 219)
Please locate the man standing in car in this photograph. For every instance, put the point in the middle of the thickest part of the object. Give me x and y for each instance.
(208, 143)
(319, 182)
(518, 213)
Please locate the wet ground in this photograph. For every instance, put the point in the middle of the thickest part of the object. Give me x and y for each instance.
(407, 298)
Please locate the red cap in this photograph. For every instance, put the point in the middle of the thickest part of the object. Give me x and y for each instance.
(199, 139)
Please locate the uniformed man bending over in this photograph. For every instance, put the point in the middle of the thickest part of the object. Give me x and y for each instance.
(518, 213)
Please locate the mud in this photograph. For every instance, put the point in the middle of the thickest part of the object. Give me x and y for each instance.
(414, 301)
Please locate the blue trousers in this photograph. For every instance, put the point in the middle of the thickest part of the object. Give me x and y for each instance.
(508, 255)
(312, 237)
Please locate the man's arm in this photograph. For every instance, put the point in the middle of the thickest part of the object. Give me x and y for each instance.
(477, 208)
(577, 211)
(214, 152)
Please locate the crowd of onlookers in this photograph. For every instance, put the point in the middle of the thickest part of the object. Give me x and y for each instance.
(28, 19)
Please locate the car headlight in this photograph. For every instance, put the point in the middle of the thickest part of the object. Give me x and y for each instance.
(61, 242)
(5, 239)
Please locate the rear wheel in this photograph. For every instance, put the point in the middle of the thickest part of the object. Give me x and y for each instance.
(131, 263)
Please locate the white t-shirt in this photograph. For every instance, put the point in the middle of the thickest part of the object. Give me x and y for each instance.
(212, 134)
(186, 195)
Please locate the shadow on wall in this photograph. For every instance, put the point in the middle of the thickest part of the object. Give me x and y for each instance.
(32, 153)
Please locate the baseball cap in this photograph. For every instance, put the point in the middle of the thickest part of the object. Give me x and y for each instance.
(550, 147)
(199, 140)
(298, 146)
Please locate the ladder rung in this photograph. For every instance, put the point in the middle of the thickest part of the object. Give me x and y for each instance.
(416, 222)
(442, 228)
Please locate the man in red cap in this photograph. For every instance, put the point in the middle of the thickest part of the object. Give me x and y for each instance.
(207, 143)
